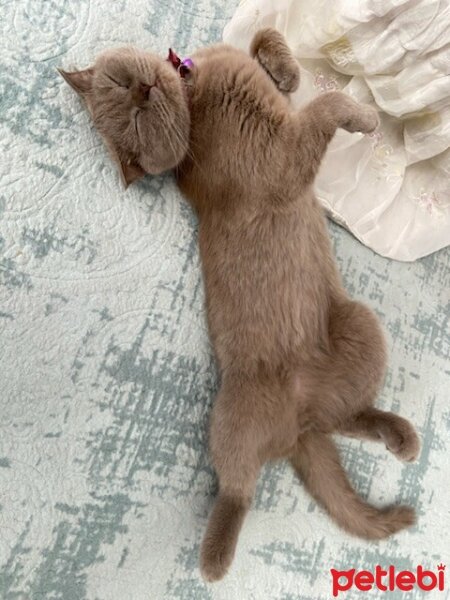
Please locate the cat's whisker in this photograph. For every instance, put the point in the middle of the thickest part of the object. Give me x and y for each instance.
(180, 137)
(165, 128)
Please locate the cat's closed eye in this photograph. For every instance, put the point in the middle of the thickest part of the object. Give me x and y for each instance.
(118, 83)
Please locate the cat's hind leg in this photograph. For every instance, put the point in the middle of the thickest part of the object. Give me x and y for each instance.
(272, 52)
(350, 378)
(396, 432)
(342, 384)
(236, 435)
(345, 377)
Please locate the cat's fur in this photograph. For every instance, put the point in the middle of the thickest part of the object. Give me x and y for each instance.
(299, 359)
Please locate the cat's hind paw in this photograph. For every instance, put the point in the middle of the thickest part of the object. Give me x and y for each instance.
(215, 559)
(404, 443)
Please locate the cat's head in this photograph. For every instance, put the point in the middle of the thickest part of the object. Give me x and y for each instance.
(139, 106)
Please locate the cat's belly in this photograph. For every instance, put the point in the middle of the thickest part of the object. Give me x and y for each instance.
(254, 332)
(267, 299)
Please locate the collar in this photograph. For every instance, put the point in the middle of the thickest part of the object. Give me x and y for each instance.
(183, 67)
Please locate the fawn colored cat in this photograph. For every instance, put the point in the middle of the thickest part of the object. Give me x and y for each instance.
(299, 360)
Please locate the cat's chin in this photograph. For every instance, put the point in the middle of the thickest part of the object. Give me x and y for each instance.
(153, 167)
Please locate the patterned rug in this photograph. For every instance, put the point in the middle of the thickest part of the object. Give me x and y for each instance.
(107, 377)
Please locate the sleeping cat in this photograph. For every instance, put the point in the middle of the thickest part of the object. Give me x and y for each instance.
(299, 360)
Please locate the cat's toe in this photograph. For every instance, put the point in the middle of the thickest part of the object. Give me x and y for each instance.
(273, 54)
(285, 73)
(290, 82)
(365, 120)
(215, 560)
(405, 445)
(369, 119)
(213, 568)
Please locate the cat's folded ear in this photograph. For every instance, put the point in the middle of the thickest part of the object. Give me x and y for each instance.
(129, 170)
(80, 81)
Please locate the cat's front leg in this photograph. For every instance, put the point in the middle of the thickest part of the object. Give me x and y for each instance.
(318, 122)
(332, 110)
(355, 117)
(272, 52)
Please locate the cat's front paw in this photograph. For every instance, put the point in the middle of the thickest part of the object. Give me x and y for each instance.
(272, 52)
(364, 119)
(285, 73)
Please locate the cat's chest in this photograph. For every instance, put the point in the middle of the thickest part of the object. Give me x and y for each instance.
(229, 106)
(234, 152)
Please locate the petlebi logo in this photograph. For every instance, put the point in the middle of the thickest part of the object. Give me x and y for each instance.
(388, 580)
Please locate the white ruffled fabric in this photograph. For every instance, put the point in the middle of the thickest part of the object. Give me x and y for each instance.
(391, 189)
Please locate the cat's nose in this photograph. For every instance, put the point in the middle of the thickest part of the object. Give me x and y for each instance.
(141, 93)
(144, 90)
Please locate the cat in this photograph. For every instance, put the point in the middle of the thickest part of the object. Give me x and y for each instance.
(299, 359)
